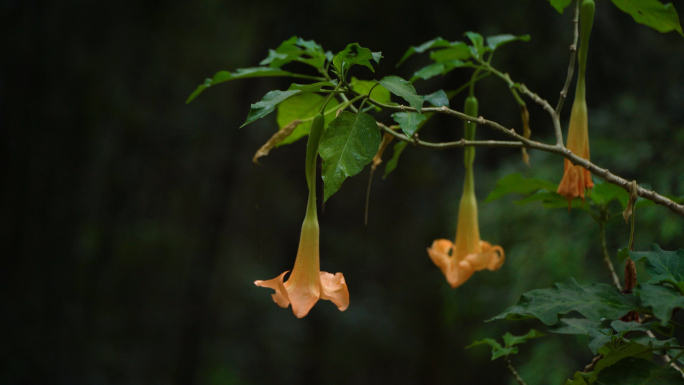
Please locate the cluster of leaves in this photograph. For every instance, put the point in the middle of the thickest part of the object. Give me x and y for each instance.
(596, 310)
(352, 137)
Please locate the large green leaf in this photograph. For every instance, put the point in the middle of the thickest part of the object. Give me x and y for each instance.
(663, 300)
(516, 183)
(637, 371)
(598, 333)
(408, 121)
(267, 104)
(302, 106)
(596, 301)
(352, 55)
(615, 354)
(394, 161)
(241, 73)
(350, 142)
(404, 89)
(664, 266)
(653, 13)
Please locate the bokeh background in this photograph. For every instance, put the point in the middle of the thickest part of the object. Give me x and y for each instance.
(133, 225)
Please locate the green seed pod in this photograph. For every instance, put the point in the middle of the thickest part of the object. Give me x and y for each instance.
(470, 109)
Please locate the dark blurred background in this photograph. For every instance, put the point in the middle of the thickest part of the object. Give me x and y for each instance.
(133, 225)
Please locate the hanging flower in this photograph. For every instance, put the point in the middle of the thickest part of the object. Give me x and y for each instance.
(576, 179)
(307, 284)
(459, 261)
(469, 254)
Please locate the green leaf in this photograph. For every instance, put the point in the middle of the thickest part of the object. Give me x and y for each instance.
(267, 105)
(603, 193)
(438, 98)
(664, 266)
(511, 340)
(497, 349)
(456, 51)
(598, 335)
(408, 121)
(434, 43)
(379, 93)
(516, 183)
(478, 49)
(654, 342)
(560, 5)
(653, 13)
(494, 42)
(241, 73)
(404, 89)
(637, 371)
(551, 200)
(614, 355)
(663, 300)
(302, 106)
(352, 55)
(435, 69)
(596, 301)
(296, 49)
(392, 163)
(578, 379)
(350, 142)
(312, 87)
(623, 327)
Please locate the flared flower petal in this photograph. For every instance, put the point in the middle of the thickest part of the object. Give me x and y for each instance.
(334, 289)
(457, 269)
(280, 296)
(307, 284)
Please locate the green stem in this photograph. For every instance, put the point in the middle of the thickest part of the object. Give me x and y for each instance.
(586, 23)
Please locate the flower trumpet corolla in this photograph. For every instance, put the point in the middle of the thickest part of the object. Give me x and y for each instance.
(307, 284)
(576, 178)
(469, 254)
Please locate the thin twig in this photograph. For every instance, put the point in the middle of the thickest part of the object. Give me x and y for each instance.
(573, 58)
(446, 145)
(515, 374)
(606, 257)
(554, 149)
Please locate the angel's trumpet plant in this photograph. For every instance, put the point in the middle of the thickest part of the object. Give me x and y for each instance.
(576, 178)
(458, 261)
(307, 284)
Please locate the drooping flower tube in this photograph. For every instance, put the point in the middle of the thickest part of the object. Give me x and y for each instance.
(307, 284)
(458, 261)
(576, 179)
